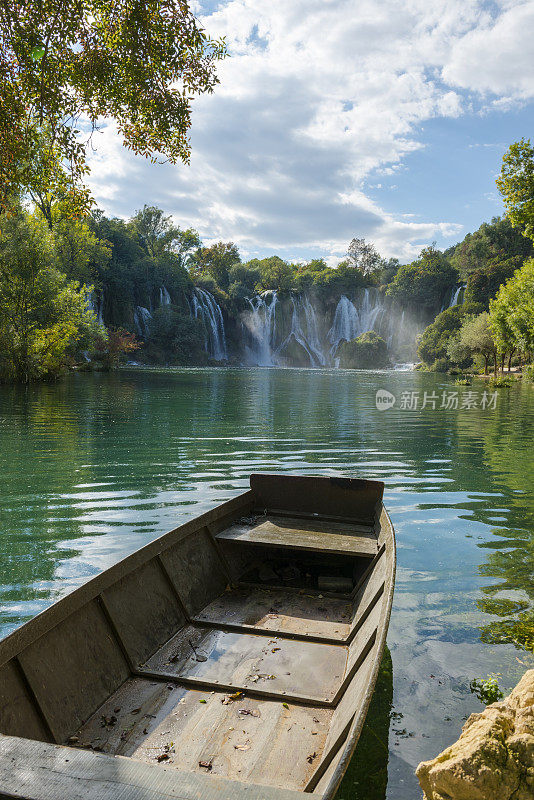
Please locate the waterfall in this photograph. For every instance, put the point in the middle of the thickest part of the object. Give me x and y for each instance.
(164, 297)
(261, 324)
(345, 324)
(206, 308)
(350, 321)
(309, 339)
(454, 297)
(96, 303)
(142, 318)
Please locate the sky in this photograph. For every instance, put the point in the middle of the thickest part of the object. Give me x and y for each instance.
(336, 119)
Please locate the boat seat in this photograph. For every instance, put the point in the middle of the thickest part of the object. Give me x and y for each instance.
(280, 611)
(294, 533)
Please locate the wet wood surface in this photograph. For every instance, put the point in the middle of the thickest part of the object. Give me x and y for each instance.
(280, 611)
(299, 534)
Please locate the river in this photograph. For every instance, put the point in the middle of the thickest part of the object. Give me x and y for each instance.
(96, 465)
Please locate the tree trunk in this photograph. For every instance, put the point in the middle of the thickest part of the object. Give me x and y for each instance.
(495, 364)
(502, 363)
(485, 365)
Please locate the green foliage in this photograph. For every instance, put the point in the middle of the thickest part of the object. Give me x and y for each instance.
(367, 351)
(474, 336)
(528, 373)
(80, 254)
(275, 273)
(494, 242)
(178, 336)
(244, 281)
(432, 348)
(512, 311)
(484, 283)
(138, 63)
(516, 184)
(42, 314)
(158, 236)
(216, 262)
(423, 281)
(487, 689)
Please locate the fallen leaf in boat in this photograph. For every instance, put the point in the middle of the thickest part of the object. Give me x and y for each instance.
(285, 705)
(275, 649)
(135, 711)
(206, 764)
(314, 733)
(72, 740)
(107, 722)
(310, 759)
(116, 710)
(248, 712)
(241, 747)
(162, 757)
(145, 731)
(202, 700)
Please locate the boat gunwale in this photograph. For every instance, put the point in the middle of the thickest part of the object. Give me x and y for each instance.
(16, 641)
(349, 743)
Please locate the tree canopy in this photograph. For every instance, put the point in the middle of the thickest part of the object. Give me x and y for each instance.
(516, 184)
(66, 65)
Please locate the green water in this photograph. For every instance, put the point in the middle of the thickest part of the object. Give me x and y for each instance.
(97, 465)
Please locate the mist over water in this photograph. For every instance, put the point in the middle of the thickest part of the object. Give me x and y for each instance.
(95, 466)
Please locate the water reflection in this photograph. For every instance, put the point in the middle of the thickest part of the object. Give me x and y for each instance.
(97, 465)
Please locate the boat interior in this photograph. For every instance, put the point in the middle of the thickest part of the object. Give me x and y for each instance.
(242, 644)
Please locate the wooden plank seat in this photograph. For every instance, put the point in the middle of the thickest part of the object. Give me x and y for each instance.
(280, 611)
(304, 534)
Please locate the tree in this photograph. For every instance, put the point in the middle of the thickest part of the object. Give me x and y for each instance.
(516, 184)
(512, 311)
(158, 235)
(139, 63)
(276, 273)
(476, 336)
(483, 283)
(367, 351)
(216, 261)
(363, 256)
(80, 254)
(41, 313)
(432, 348)
(423, 281)
(493, 243)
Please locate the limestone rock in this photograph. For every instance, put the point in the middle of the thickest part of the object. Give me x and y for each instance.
(494, 757)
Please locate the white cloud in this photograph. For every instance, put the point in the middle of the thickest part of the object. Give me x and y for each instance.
(497, 58)
(317, 97)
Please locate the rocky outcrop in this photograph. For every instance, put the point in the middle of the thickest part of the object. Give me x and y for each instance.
(494, 757)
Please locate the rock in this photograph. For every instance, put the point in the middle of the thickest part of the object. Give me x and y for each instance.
(494, 757)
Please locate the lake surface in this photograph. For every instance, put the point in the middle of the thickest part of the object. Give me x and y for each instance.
(97, 465)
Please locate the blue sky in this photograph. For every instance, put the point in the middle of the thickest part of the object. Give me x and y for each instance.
(339, 118)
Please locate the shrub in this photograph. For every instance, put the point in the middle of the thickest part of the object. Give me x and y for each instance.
(367, 351)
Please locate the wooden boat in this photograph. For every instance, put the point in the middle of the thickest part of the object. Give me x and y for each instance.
(234, 657)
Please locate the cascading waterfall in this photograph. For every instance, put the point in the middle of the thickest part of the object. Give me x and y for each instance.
(96, 303)
(261, 324)
(164, 297)
(205, 307)
(454, 296)
(142, 319)
(349, 322)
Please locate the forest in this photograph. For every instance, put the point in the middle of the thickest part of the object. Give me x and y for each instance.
(84, 291)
